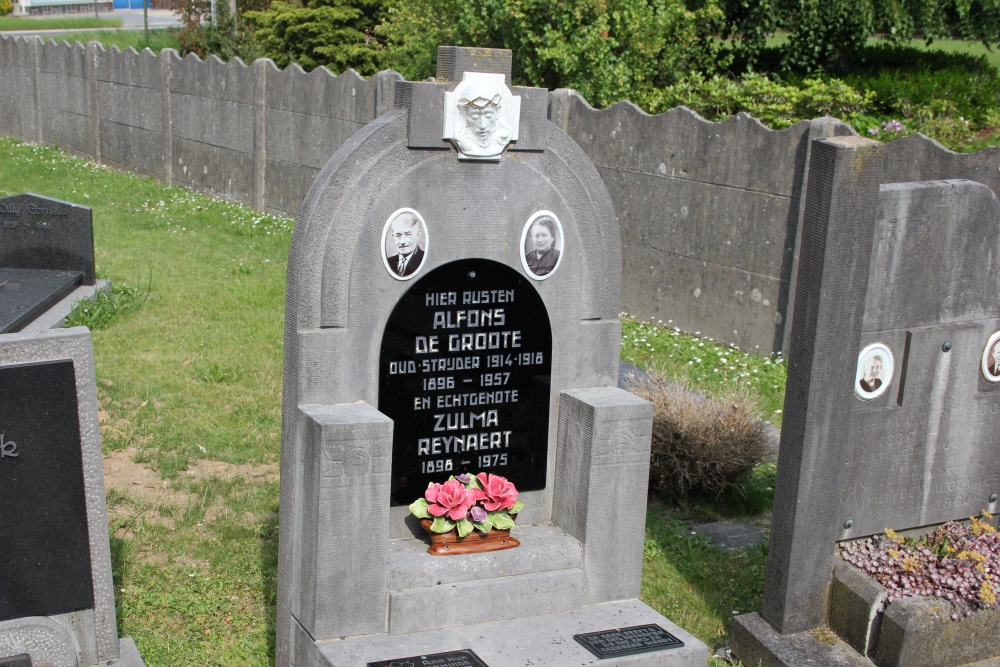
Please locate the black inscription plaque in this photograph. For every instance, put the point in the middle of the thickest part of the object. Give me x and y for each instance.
(628, 641)
(20, 660)
(464, 658)
(44, 541)
(464, 374)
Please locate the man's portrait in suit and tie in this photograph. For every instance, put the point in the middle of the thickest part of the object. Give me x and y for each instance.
(404, 243)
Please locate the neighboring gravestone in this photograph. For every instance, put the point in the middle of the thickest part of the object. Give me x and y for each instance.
(46, 254)
(56, 592)
(893, 387)
(452, 307)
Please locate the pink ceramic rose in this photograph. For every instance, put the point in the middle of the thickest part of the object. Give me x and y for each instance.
(497, 493)
(451, 499)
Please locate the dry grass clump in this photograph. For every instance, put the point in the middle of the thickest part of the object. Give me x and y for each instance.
(700, 446)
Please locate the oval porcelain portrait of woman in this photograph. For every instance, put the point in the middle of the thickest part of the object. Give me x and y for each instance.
(542, 245)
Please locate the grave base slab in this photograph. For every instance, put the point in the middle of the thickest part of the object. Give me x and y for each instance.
(129, 654)
(754, 642)
(540, 641)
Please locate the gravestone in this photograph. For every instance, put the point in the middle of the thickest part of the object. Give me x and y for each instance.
(56, 593)
(452, 307)
(892, 396)
(46, 258)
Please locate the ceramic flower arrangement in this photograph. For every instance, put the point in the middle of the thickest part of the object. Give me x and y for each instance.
(464, 503)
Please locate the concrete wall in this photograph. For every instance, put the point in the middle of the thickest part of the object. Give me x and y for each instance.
(710, 212)
(248, 133)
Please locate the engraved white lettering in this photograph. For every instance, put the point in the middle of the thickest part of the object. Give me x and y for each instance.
(7, 447)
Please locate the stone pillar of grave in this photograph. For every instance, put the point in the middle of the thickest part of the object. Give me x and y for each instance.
(346, 476)
(602, 474)
(833, 276)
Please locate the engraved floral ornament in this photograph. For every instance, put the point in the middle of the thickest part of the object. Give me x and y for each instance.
(466, 503)
(481, 116)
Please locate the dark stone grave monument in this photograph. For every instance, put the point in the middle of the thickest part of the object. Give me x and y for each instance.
(56, 593)
(452, 307)
(46, 260)
(893, 391)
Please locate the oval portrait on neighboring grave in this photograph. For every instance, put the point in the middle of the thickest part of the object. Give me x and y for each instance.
(404, 243)
(990, 364)
(874, 373)
(541, 245)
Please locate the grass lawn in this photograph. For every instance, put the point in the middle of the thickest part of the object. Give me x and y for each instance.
(188, 358)
(159, 39)
(958, 46)
(57, 23)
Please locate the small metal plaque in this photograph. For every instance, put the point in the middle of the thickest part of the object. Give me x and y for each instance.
(628, 641)
(20, 660)
(463, 658)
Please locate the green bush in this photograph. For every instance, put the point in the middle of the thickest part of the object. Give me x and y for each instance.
(774, 103)
(6, 7)
(608, 50)
(911, 83)
(334, 34)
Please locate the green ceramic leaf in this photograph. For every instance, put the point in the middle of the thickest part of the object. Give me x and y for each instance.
(464, 527)
(518, 506)
(418, 508)
(502, 520)
(485, 526)
(442, 525)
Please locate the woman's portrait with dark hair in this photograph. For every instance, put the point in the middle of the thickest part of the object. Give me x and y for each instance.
(541, 239)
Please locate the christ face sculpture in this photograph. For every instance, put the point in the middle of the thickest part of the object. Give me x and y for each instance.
(481, 116)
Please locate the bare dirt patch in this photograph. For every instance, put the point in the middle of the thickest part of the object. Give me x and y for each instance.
(122, 473)
(155, 500)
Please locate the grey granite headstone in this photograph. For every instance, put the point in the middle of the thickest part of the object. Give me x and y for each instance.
(452, 306)
(892, 396)
(27, 293)
(56, 594)
(39, 232)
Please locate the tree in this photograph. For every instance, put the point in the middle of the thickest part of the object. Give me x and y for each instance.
(827, 34)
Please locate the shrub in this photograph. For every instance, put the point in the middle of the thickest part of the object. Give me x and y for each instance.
(700, 446)
(6, 7)
(334, 34)
(608, 50)
(774, 103)
(225, 36)
(905, 81)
